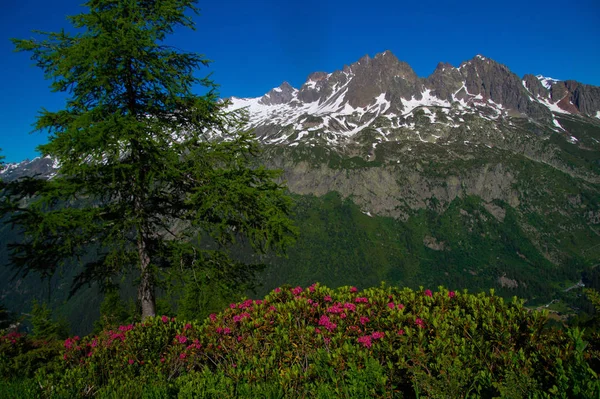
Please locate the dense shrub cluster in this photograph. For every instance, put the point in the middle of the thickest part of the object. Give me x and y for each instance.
(319, 342)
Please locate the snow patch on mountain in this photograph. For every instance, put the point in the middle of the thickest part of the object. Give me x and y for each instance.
(547, 82)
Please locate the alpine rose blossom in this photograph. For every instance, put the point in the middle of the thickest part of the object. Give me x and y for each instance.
(353, 289)
(451, 294)
(391, 305)
(428, 293)
(365, 340)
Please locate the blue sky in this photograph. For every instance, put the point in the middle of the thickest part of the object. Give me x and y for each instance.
(257, 45)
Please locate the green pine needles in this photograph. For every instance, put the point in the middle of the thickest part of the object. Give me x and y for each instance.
(144, 183)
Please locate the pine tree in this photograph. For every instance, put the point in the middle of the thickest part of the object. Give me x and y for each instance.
(144, 179)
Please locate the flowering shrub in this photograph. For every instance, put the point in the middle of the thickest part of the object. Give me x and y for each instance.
(21, 355)
(300, 342)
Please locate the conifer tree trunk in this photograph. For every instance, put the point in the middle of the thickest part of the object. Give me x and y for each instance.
(146, 292)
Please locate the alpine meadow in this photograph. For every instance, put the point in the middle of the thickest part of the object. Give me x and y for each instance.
(370, 233)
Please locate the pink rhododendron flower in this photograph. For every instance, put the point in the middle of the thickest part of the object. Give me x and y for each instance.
(312, 287)
(365, 340)
(187, 326)
(317, 331)
(361, 300)
(213, 317)
(451, 294)
(343, 316)
(277, 290)
(337, 308)
(353, 289)
(378, 335)
(350, 306)
(227, 331)
(325, 322)
(400, 306)
(232, 306)
(327, 298)
(68, 343)
(247, 304)
(65, 356)
(272, 308)
(391, 305)
(131, 361)
(297, 291)
(219, 330)
(162, 359)
(327, 340)
(239, 338)
(182, 356)
(364, 320)
(95, 343)
(126, 328)
(165, 319)
(420, 323)
(181, 339)
(89, 354)
(240, 317)
(428, 293)
(400, 332)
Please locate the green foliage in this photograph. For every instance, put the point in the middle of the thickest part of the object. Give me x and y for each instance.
(113, 311)
(594, 298)
(317, 342)
(339, 245)
(140, 187)
(21, 356)
(44, 326)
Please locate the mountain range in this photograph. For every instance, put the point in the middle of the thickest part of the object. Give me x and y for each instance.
(472, 177)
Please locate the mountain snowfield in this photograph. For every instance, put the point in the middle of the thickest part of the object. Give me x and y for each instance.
(286, 115)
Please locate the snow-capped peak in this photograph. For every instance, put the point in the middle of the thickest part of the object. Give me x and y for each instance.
(547, 82)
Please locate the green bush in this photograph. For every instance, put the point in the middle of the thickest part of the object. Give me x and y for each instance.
(318, 342)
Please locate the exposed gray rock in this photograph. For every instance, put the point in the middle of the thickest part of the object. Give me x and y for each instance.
(445, 82)
(585, 97)
(496, 82)
(280, 95)
(382, 74)
(535, 87)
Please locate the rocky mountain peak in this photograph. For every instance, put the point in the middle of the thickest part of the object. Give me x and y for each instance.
(495, 82)
(446, 82)
(382, 74)
(279, 95)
